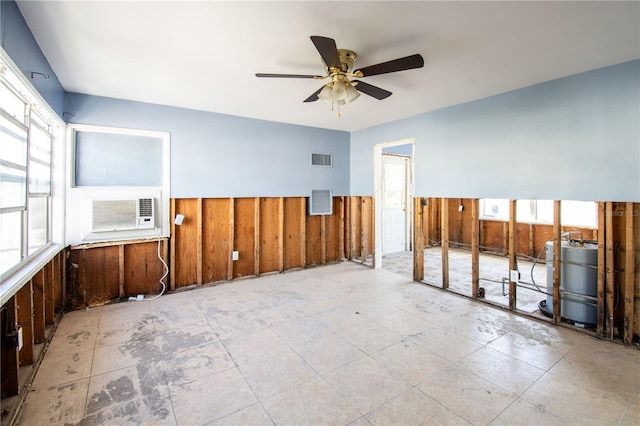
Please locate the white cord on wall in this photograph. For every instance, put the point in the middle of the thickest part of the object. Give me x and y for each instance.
(141, 297)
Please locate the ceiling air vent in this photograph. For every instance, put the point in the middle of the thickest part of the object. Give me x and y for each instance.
(322, 160)
(320, 202)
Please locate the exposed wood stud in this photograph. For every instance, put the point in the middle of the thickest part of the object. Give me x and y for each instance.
(363, 230)
(24, 302)
(460, 220)
(372, 233)
(629, 275)
(38, 307)
(557, 247)
(426, 221)
(418, 240)
(256, 236)
(121, 292)
(172, 244)
(281, 234)
(444, 220)
(348, 231)
(231, 243)
(10, 362)
(505, 238)
(601, 271)
(303, 232)
(323, 239)
(341, 234)
(610, 271)
(475, 248)
(199, 242)
(513, 248)
(532, 241)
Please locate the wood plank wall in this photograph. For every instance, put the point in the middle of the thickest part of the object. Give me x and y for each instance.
(617, 236)
(34, 308)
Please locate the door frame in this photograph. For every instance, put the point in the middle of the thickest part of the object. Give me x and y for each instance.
(377, 192)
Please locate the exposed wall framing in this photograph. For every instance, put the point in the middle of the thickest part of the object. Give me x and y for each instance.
(455, 223)
(33, 310)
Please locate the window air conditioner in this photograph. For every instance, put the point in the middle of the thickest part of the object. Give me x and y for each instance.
(122, 215)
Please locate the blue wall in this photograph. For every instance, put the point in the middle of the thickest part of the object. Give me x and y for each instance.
(575, 138)
(217, 155)
(16, 39)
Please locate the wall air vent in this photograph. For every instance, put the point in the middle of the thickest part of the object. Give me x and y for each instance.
(122, 215)
(321, 160)
(320, 202)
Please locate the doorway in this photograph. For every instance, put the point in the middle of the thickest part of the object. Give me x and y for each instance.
(395, 202)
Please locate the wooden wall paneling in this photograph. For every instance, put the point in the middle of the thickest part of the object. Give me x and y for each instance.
(294, 218)
(610, 271)
(460, 231)
(172, 242)
(372, 232)
(532, 241)
(58, 265)
(199, 226)
(341, 227)
(418, 240)
(425, 206)
(95, 276)
(121, 271)
(244, 236)
(10, 368)
(186, 243)
(313, 240)
(49, 302)
(269, 235)
(356, 226)
(142, 269)
(505, 238)
(475, 247)
(444, 238)
(513, 252)
(522, 241)
(636, 236)
(367, 226)
(629, 275)
(38, 307)
(600, 307)
(24, 303)
(334, 231)
(63, 278)
(216, 238)
(303, 231)
(557, 314)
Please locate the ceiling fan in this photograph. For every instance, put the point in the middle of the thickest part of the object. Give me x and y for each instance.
(338, 64)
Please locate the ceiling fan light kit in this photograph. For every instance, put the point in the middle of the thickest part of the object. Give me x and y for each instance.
(338, 64)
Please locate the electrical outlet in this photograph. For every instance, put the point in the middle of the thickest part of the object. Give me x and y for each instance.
(460, 207)
(514, 276)
(235, 255)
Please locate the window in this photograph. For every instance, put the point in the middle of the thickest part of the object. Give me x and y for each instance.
(572, 213)
(25, 177)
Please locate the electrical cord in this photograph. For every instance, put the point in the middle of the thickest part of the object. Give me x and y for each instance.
(164, 286)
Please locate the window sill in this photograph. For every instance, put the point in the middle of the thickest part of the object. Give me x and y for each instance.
(13, 283)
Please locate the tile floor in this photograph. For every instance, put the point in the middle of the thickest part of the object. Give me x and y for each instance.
(336, 345)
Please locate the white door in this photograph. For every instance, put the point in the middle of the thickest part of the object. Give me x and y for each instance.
(395, 170)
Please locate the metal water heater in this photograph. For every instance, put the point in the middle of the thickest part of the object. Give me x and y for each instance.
(578, 278)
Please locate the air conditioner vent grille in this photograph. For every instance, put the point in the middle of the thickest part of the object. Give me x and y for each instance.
(145, 207)
(322, 160)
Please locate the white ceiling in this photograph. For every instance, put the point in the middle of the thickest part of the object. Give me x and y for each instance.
(203, 55)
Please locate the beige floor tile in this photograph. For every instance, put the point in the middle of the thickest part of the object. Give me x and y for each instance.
(414, 408)
(327, 352)
(362, 421)
(481, 326)
(445, 344)
(523, 413)
(139, 412)
(253, 415)
(126, 354)
(118, 312)
(273, 374)
(631, 415)
(300, 331)
(404, 323)
(55, 405)
(340, 318)
(126, 330)
(72, 339)
(255, 346)
(410, 361)
(366, 384)
(196, 363)
(574, 402)
(60, 369)
(211, 398)
(370, 336)
(473, 398)
(532, 350)
(115, 393)
(177, 340)
(502, 370)
(293, 407)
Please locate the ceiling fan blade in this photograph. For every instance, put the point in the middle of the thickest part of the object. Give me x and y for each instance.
(400, 64)
(371, 90)
(314, 96)
(328, 51)
(260, 74)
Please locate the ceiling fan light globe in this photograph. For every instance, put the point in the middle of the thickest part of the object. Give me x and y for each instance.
(325, 94)
(339, 92)
(352, 94)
